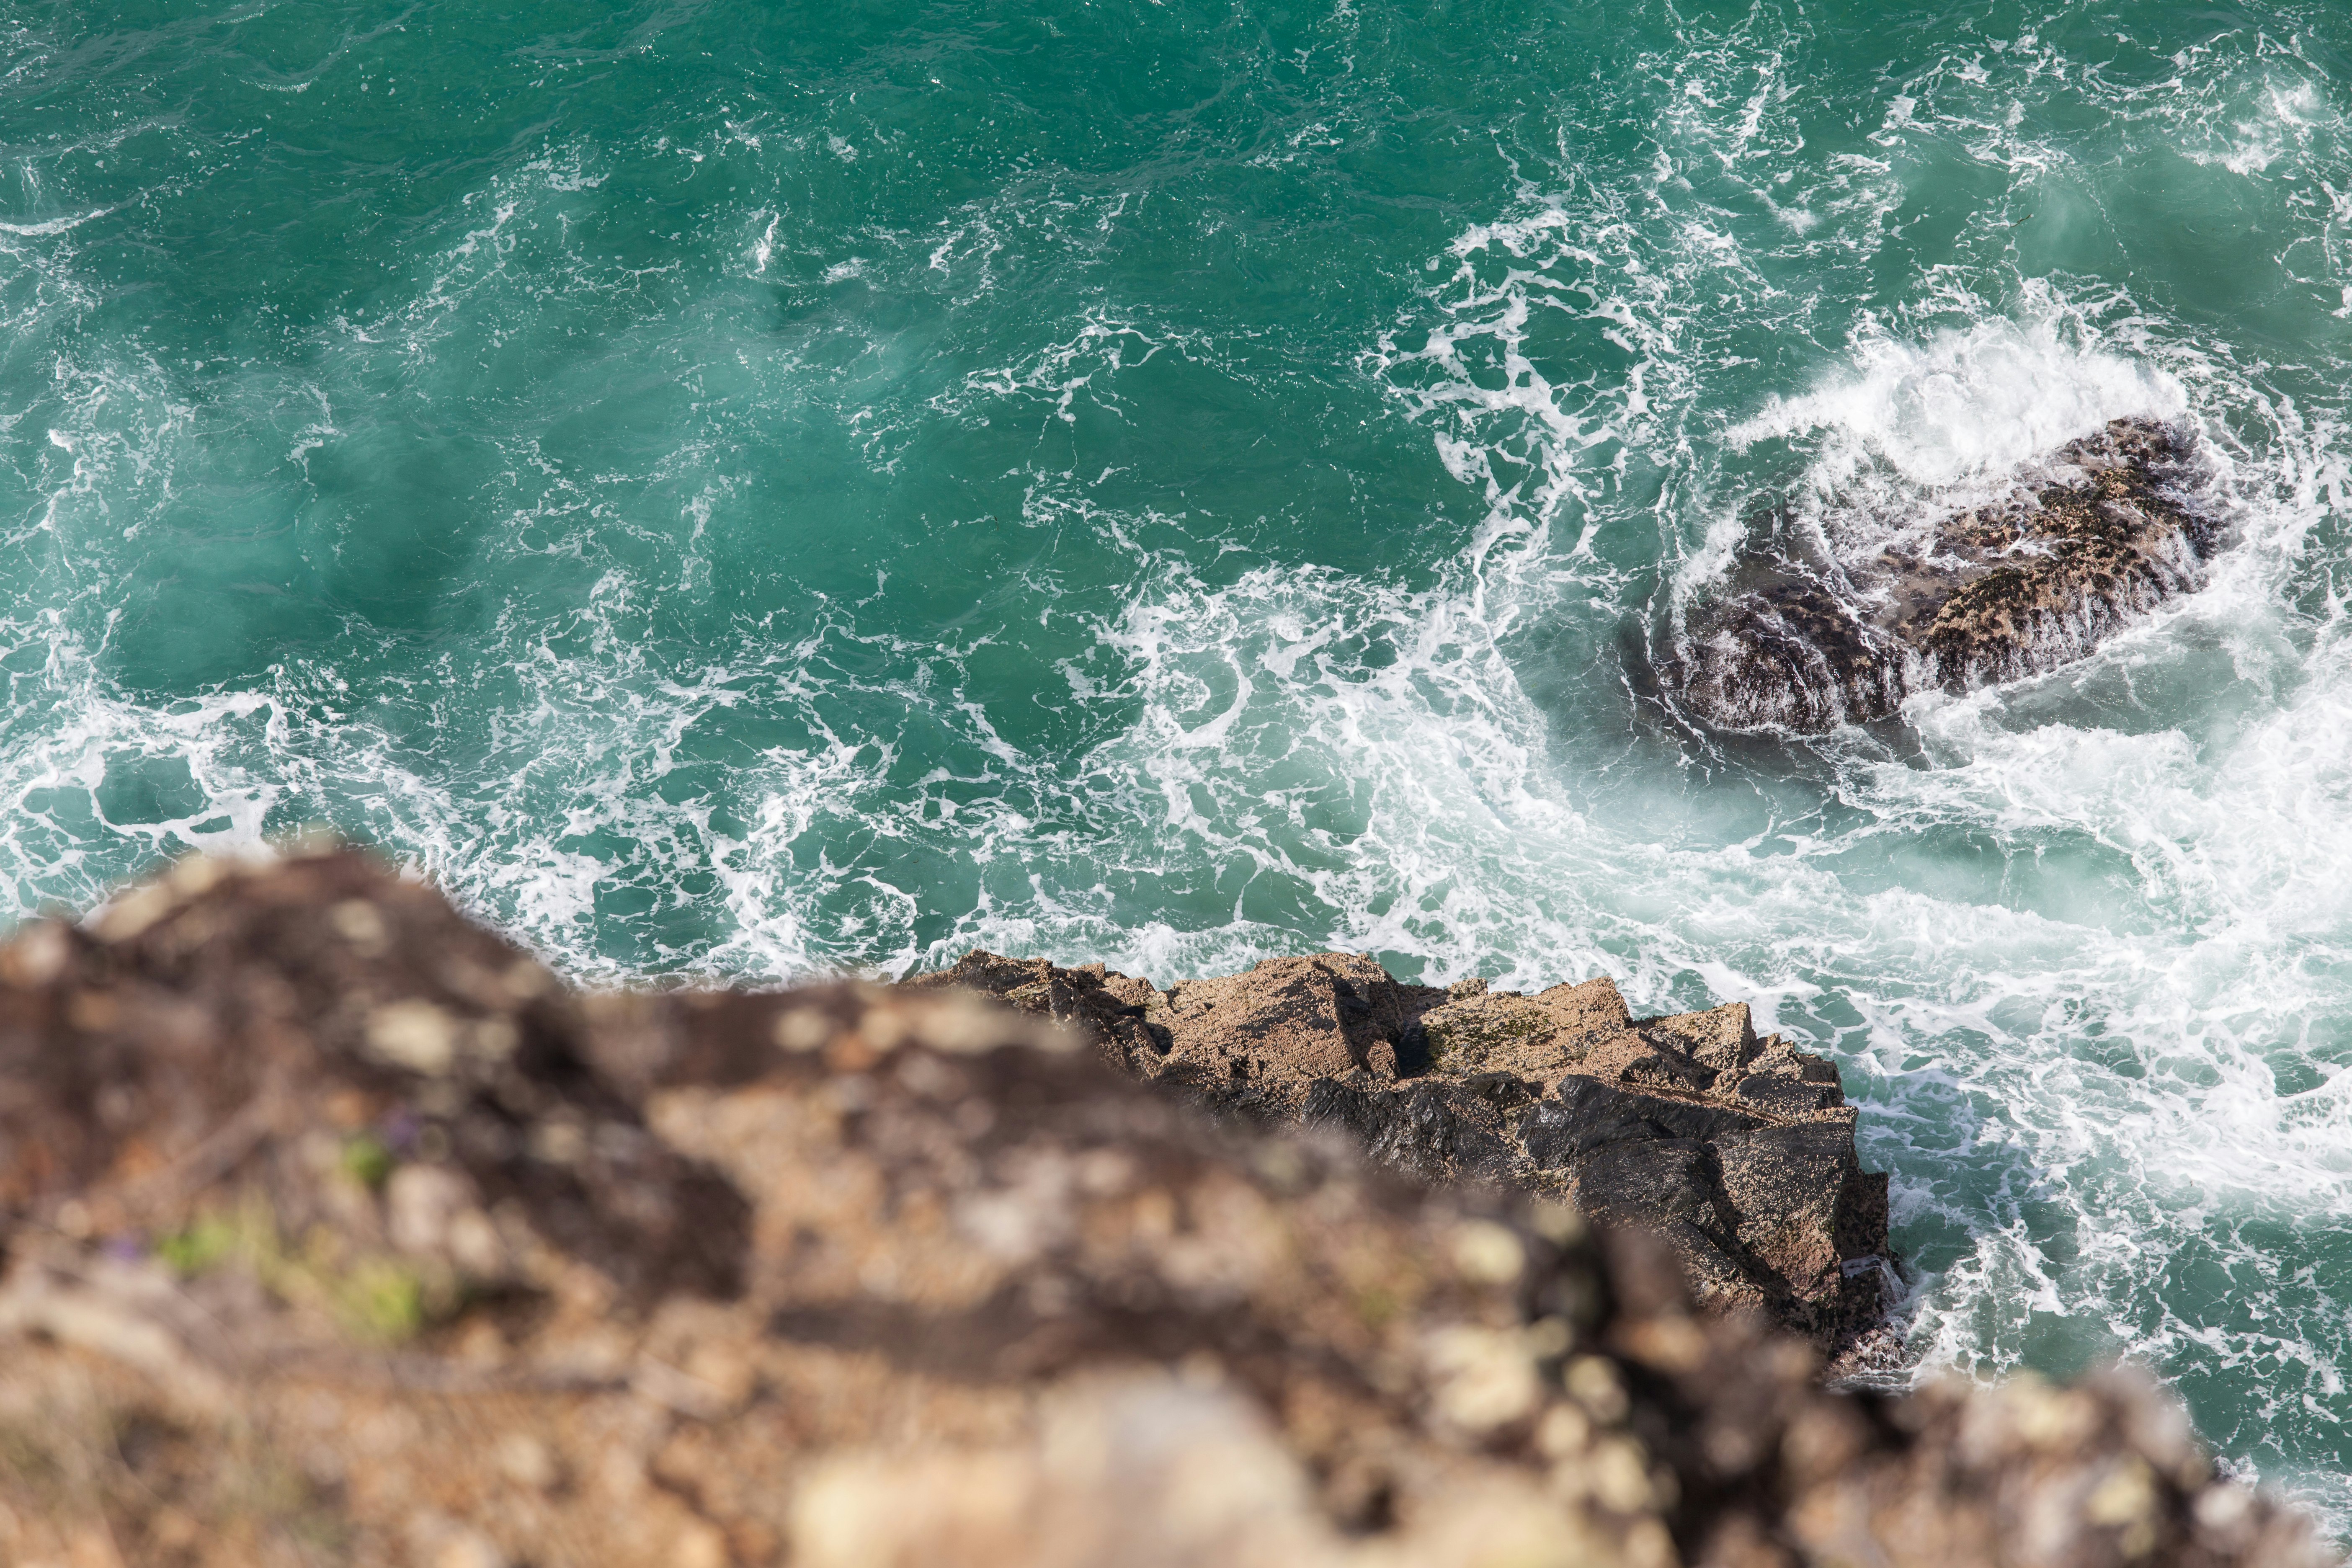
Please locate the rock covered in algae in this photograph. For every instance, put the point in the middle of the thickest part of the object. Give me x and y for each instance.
(336, 1232)
(1805, 638)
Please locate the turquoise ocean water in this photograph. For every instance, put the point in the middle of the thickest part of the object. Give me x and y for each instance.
(743, 491)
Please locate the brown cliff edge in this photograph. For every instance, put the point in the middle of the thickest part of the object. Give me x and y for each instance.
(1739, 1151)
(336, 1230)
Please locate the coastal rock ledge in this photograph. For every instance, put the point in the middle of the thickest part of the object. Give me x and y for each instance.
(334, 1230)
(1737, 1151)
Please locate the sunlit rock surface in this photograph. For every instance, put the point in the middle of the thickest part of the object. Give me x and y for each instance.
(1739, 1151)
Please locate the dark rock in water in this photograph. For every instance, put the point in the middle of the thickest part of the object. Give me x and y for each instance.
(1989, 594)
(1739, 1151)
(334, 1230)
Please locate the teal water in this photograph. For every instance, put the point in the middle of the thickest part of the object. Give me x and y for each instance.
(736, 490)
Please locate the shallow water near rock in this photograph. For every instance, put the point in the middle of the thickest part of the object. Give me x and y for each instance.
(742, 492)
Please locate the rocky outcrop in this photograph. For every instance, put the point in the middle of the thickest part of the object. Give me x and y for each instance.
(1739, 1151)
(1809, 634)
(334, 1231)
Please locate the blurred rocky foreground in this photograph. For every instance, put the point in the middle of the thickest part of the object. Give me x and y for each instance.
(337, 1231)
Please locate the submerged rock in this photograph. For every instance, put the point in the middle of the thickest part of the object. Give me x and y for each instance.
(855, 1278)
(1806, 639)
(1739, 1151)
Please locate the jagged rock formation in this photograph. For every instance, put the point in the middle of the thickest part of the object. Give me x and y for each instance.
(1739, 1151)
(336, 1231)
(1806, 640)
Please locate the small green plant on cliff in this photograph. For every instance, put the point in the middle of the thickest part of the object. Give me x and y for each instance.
(208, 1240)
(381, 1299)
(368, 1295)
(367, 1161)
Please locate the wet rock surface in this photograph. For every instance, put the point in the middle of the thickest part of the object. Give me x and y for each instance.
(1806, 637)
(854, 1276)
(1737, 1151)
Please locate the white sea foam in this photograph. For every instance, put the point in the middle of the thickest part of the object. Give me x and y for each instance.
(53, 225)
(1965, 404)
